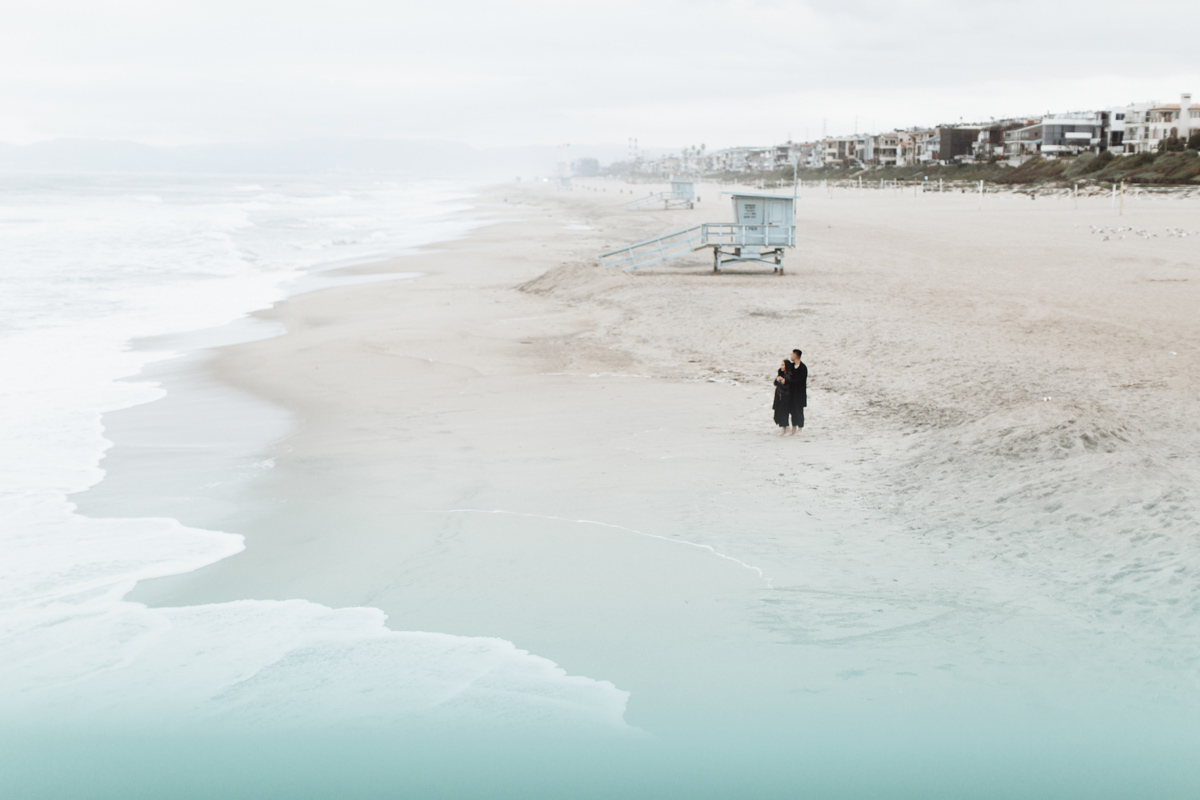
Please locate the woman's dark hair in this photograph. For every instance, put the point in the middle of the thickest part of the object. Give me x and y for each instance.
(798, 353)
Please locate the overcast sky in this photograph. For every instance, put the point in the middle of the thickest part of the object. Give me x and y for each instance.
(490, 72)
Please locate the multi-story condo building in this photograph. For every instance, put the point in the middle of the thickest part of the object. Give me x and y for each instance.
(1074, 132)
(781, 156)
(926, 145)
(804, 154)
(746, 159)
(990, 140)
(837, 150)
(1116, 129)
(887, 149)
(1137, 127)
(1147, 124)
(1060, 135)
(1022, 144)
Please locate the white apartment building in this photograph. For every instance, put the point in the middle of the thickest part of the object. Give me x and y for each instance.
(836, 150)
(887, 149)
(742, 159)
(926, 145)
(1115, 135)
(1147, 124)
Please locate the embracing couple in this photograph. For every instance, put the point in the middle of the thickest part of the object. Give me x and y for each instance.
(791, 394)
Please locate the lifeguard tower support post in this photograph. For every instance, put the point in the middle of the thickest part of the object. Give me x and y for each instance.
(764, 225)
(682, 195)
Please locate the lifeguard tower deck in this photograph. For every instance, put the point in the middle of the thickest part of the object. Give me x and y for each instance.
(765, 224)
(682, 195)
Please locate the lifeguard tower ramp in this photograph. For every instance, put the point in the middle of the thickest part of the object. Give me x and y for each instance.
(765, 226)
(682, 195)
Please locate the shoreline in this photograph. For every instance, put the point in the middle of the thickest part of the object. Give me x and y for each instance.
(191, 462)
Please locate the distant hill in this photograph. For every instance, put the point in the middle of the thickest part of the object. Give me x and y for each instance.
(413, 158)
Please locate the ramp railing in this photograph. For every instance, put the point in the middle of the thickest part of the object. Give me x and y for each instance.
(733, 234)
(646, 202)
(656, 250)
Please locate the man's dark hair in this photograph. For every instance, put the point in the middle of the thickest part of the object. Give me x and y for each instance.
(798, 353)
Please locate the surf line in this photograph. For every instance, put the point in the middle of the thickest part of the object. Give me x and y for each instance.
(684, 542)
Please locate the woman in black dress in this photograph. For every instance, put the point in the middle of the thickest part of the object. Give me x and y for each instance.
(783, 398)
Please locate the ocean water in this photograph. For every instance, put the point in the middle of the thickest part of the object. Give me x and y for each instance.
(90, 265)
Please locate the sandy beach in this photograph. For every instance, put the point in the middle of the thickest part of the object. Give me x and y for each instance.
(992, 514)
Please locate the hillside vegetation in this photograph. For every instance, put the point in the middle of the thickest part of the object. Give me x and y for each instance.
(1182, 168)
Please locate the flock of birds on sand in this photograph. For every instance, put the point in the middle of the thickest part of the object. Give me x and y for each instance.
(1120, 232)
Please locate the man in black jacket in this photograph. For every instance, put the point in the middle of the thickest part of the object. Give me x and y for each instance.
(797, 385)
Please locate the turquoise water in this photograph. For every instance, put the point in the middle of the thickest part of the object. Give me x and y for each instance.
(821, 761)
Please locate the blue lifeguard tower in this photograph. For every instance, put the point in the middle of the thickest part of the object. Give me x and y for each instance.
(682, 195)
(764, 226)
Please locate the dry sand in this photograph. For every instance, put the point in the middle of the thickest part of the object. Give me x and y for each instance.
(994, 505)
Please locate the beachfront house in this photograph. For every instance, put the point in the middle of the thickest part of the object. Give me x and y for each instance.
(842, 151)
(887, 149)
(1115, 140)
(813, 155)
(1073, 133)
(1148, 124)
(925, 144)
(1023, 143)
(957, 142)
(1060, 136)
(990, 141)
(742, 159)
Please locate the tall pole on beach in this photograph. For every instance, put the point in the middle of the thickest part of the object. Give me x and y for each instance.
(981, 195)
(1122, 212)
